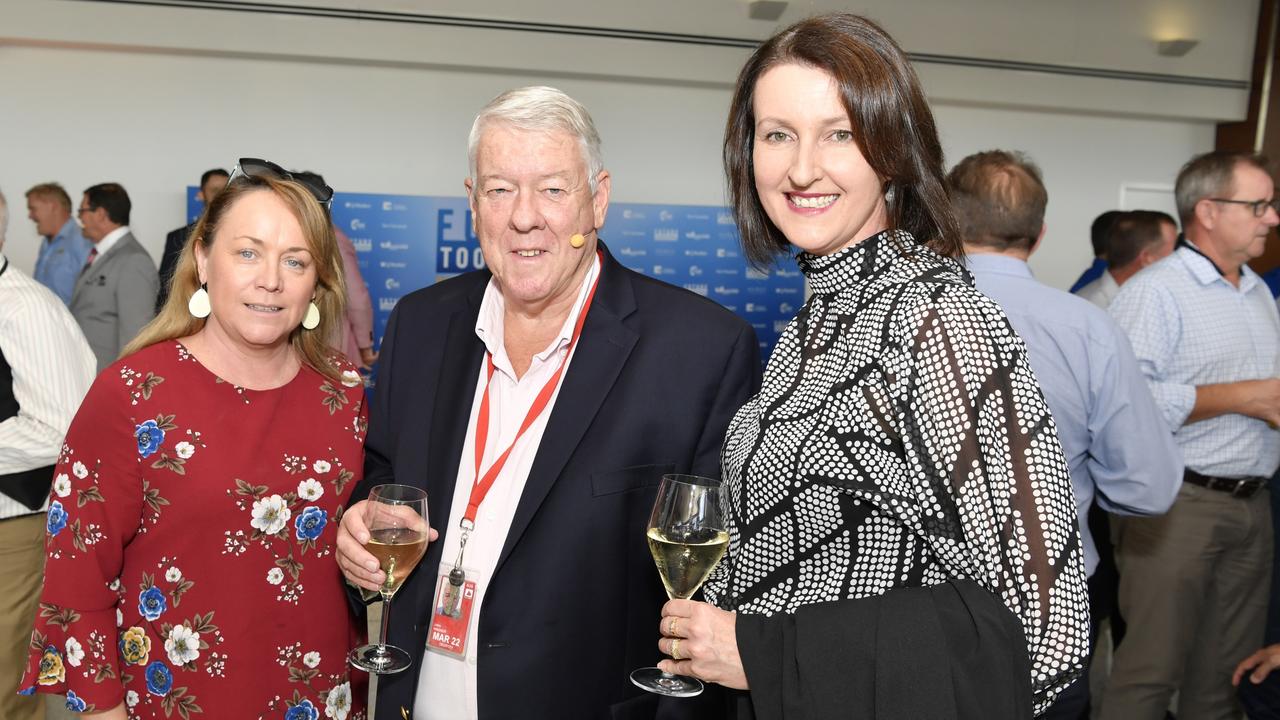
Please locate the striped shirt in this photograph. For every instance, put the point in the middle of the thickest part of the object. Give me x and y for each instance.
(1190, 327)
(52, 368)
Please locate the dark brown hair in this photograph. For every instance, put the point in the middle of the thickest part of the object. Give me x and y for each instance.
(892, 125)
(999, 198)
(1134, 232)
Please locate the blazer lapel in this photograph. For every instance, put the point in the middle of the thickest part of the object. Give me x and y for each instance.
(602, 352)
(455, 390)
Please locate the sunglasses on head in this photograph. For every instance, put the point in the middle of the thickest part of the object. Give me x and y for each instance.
(258, 168)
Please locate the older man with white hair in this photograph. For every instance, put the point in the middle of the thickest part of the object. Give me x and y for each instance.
(539, 402)
(46, 367)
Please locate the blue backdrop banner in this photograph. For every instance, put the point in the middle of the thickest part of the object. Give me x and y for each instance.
(406, 242)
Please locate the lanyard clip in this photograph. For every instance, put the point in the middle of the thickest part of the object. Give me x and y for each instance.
(457, 575)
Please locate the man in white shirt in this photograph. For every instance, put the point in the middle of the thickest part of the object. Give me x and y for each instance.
(1136, 239)
(45, 369)
(573, 384)
(115, 294)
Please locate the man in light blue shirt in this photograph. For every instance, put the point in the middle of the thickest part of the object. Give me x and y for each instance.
(65, 250)
(1118, 447)
(1194, 583)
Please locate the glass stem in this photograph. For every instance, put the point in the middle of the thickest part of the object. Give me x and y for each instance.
(386, 618)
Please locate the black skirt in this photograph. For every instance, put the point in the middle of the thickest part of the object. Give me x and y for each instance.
(951, 652)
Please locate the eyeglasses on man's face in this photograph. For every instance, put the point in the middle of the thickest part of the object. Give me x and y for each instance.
(1259, 207)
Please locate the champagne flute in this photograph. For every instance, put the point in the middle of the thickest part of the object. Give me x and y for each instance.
(687, 536)
(396, 516)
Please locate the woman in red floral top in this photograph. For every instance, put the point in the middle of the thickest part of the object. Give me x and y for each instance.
(197, 497)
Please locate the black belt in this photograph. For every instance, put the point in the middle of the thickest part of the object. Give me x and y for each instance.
(1239, 487)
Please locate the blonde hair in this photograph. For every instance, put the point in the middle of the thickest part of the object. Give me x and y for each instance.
(175, 321)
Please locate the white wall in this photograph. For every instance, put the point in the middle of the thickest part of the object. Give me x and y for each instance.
(150, 97)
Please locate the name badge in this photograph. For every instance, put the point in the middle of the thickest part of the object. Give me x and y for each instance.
(451, 614)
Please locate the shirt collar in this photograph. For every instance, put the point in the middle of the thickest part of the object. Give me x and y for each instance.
(65, 231)
(110, 239)
(490, 326)
(998, 263)
(1206, 272)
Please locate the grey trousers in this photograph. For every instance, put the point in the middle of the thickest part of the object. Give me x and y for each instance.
(1193, 588)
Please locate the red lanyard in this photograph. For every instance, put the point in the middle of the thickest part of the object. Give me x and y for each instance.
(482, 484)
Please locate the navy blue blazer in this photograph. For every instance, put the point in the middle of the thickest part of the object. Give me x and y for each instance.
(574, 603)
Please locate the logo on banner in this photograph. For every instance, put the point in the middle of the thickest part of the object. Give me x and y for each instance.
(691, 235)
(782, 272)
(724, 219)
(388, 245)
(661, 270)
(388, 265)
(780, 325)
(353, 205)
(628, 251)
(664, 216)
(697, 216)
(356, 225)
(387, 304)
(754, 274)
(727, 271)
(634, 233)
(394, 226)
(629, 214)
(694, 271)
(756, 307)
(666, 235)
(459, 258)
(786, 291)
(392, 284)
(723, 253)
(389, 206)
(362, 244)
(726, 290)
(700, 288)
(786, 308)
(695, 253)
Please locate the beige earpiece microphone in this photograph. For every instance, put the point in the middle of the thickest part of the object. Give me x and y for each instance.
(577, 240)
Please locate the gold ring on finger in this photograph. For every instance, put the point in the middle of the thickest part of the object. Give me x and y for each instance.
(675, 649)
(671, 626)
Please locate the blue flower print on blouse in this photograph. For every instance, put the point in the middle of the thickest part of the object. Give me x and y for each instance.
(57, 518)
(152, 603)
(302, 711)
(29, 691)
(311, 523)
(159, 678)
(149, 436)
(75, 703)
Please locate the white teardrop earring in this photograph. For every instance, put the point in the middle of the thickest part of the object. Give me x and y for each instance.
(199, 305)
(312, 319)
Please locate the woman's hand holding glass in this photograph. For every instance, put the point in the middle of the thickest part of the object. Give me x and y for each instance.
(702, 640)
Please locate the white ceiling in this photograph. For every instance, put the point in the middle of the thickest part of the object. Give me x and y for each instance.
(1112, 34)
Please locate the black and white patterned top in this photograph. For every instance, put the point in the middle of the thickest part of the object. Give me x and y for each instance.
(900, 440)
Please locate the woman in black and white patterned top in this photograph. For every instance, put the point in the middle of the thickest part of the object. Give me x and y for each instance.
(903, 538)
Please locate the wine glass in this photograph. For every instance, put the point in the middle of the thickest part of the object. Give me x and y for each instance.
(687, 537)
(396, 516)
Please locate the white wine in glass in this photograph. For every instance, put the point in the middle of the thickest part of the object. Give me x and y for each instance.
(687, 536)
(396, 516)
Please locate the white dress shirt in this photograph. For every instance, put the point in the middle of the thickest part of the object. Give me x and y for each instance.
(104, 245)
(52, 369)
(447, 685)
(1102, 291)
